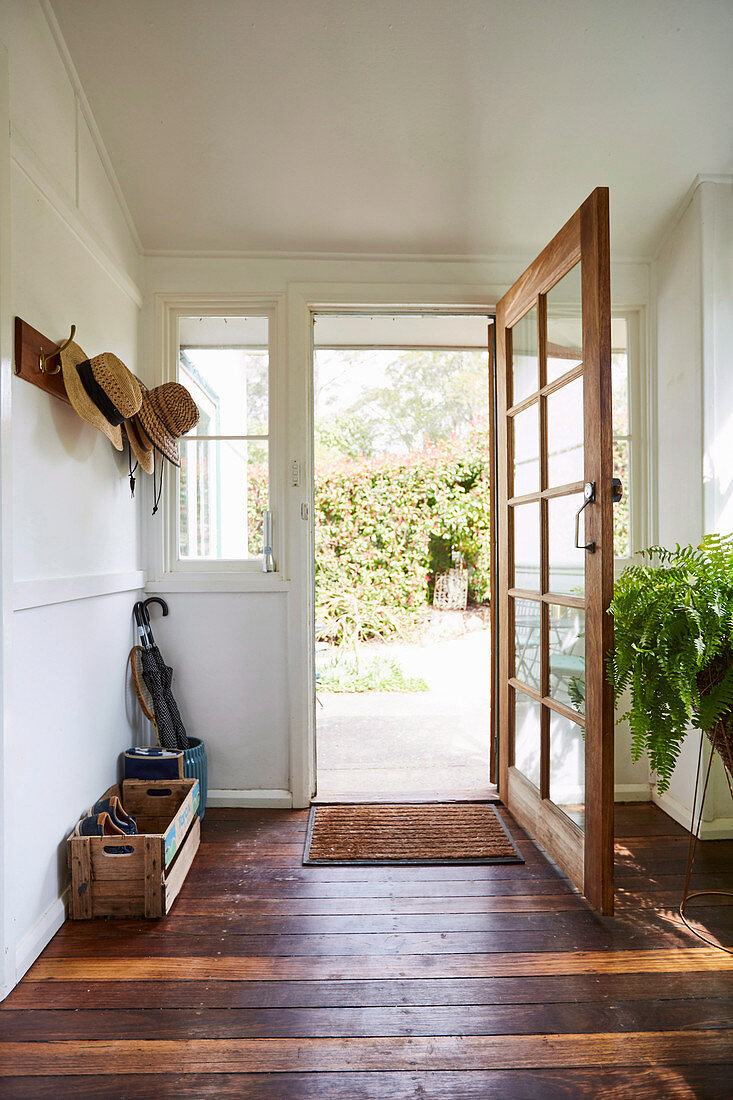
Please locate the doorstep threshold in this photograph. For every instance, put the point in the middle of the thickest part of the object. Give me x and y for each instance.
(478, 794)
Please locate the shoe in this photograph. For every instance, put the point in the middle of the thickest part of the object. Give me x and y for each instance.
(120, 816)
(100, 824)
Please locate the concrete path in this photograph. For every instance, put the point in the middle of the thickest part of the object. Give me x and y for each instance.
(435, 741)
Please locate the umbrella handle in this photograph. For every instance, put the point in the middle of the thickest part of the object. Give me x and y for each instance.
(143, 626)
(146, 616)
(158, 600)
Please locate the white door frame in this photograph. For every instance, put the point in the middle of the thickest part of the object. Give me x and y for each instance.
(303, 301)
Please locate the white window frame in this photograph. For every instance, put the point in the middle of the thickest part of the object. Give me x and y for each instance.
(169, 573)
(639, 435)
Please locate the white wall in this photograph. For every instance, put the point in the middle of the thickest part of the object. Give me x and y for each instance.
(75, 542)
(259, 743)
(694, 322)
(717, 289)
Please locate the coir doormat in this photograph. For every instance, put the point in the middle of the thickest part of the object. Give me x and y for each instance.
(433, 833)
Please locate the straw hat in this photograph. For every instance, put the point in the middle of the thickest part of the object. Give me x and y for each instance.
(167, 412)
(101, 390)
(142, 450)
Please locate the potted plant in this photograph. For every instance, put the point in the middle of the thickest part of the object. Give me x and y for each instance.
(673, 622)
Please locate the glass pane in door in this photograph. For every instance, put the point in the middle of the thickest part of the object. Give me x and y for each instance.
(567, 656)
(525, 358)
(564, 325)
(565, 454)
(527, 623)
(526, 451)
(527, 737)
(527, 546)
(567, 563)
(567, 767)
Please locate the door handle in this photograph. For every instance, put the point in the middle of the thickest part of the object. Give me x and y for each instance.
(589, 495)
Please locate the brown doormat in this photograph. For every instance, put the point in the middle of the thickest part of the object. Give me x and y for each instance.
(459, 832)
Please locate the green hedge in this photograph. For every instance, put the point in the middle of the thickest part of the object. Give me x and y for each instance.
(384, 528)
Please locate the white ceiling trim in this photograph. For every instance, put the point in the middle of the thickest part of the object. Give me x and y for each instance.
(368, 257)
(90, 120)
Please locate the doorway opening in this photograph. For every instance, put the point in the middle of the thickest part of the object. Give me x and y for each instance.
(402, 456)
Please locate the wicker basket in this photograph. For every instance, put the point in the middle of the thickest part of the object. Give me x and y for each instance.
(451, 590)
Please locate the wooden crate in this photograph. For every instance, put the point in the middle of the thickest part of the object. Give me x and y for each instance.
(140, 875)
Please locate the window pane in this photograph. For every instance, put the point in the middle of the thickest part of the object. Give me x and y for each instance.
(567, 656)
(621, 511)
(567, 565)
(565, 441)
(223, 492)
(525, 357)
(564, 326)
(620, 377)
(526, 451)
(567, 767)
(527, 642)
(527, 737)
(527, 546)
(224, 363)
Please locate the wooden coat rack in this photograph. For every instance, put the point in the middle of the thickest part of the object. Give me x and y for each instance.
(36, 359)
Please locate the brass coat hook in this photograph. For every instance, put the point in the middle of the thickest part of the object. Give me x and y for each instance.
(43, 358)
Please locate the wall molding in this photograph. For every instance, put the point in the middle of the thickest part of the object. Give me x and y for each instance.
(253, 800)
(632, 792)
(27, 161)
(250, 582)
(718, 828)
(39, 936)
(43, 593)
(86, 110)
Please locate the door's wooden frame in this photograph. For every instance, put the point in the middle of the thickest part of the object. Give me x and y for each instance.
(493, 566)
(587, 855)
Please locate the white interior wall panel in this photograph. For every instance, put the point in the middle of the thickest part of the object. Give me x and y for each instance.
(74, 527)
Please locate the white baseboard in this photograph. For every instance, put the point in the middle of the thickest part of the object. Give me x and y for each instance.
(39, 936)
(251, 800)
(720, 828)
(632, 792)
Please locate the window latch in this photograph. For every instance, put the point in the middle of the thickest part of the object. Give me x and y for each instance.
(268, 565)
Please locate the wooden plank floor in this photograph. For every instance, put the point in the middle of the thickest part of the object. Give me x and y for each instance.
(273, 980)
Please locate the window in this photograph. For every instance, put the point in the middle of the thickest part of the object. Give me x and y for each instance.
(223, 487)
(622, 456)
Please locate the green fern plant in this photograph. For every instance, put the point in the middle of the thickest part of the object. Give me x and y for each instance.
(673, 626)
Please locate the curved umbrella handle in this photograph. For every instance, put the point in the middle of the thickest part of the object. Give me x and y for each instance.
(158, 600)
(146, 616)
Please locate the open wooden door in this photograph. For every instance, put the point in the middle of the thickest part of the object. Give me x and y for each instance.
(555, 550)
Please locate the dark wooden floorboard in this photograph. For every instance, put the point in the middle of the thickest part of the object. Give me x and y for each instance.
(343, 982)
(640, 1083)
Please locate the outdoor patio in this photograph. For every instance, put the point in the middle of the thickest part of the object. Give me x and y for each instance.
(433, 742)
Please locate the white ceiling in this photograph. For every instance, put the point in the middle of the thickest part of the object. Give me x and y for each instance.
(403, 126)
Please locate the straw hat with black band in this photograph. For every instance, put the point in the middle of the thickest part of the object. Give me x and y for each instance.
(101, 390)
(141, 447)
